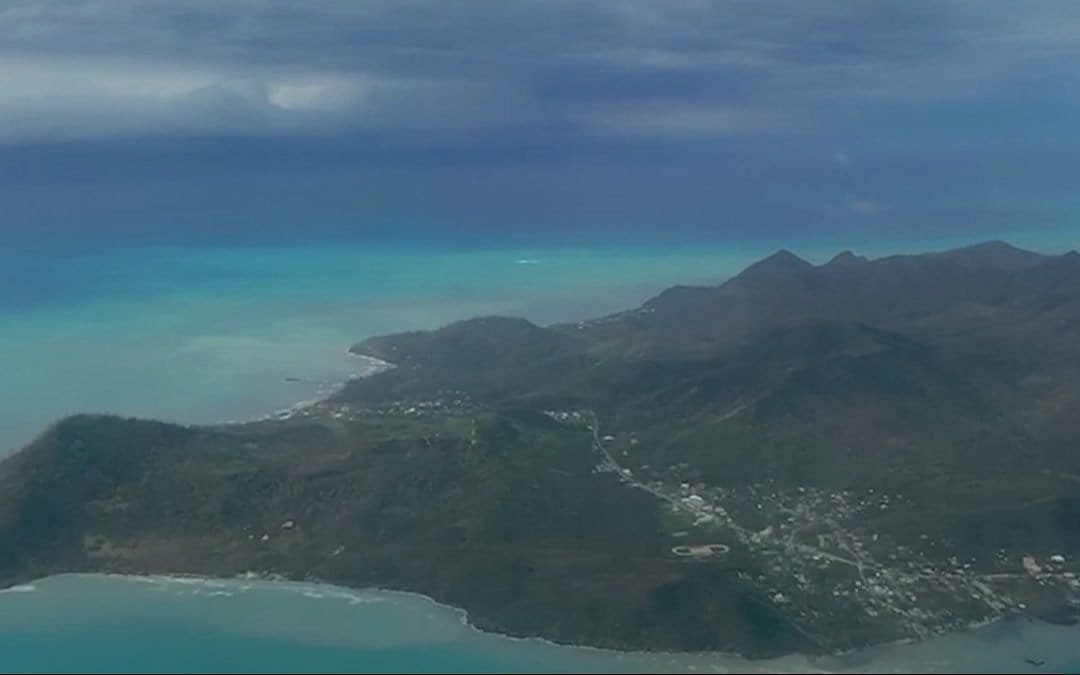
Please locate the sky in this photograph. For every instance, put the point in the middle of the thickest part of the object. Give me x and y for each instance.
(131, 122)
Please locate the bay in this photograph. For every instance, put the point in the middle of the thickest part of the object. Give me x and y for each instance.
(207, 334)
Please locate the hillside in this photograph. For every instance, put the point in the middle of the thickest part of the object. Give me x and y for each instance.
(870, 447)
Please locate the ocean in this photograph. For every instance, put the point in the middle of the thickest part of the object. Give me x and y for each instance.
(87, 623)
(206, 334)
(210, 334)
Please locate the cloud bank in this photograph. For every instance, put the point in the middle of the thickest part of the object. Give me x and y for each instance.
(473, 69)
(125, 121)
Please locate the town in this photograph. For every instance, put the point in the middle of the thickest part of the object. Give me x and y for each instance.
(810, 550)
(815, 556)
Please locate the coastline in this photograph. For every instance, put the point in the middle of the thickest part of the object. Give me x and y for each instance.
(320, 589)
(374, 367)
(371, 366)
(278, 582)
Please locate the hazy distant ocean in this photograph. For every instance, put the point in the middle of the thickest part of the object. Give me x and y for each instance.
(206, 334)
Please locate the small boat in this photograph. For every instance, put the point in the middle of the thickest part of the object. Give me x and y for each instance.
(1035, 662)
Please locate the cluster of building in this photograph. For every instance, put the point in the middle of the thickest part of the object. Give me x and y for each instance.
(818, 560)
(449, 403)
(569, 417)
(817, 552)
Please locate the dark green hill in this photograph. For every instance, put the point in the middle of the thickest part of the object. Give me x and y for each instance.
(500, 514)
(870, 447)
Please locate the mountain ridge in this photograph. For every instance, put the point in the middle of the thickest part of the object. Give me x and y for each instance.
(803, 458)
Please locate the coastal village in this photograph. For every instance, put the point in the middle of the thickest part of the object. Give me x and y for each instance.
(809, 548)
(815, 557)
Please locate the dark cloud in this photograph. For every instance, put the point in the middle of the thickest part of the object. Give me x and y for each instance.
(677, 118)
(92, 68)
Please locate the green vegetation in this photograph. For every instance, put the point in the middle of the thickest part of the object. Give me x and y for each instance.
(876, 445)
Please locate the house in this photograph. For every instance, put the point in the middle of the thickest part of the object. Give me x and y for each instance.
(694, 501)
(1030, 566)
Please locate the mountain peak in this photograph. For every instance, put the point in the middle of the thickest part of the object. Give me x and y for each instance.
(995, 254)
(993, 247)
(780, 264)
(845, 258)
(786, 257)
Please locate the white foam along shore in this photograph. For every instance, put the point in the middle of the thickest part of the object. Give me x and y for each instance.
(371, 366)
(680, 661)
(374, 366)
(318, 589)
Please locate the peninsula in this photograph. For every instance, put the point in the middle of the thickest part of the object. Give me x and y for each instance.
(805, 458)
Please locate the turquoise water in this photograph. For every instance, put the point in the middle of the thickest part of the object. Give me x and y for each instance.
(79, 623)
(203, 335)
(200, 335)
(208, 334)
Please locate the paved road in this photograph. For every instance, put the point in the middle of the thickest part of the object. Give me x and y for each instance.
(628, 479)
